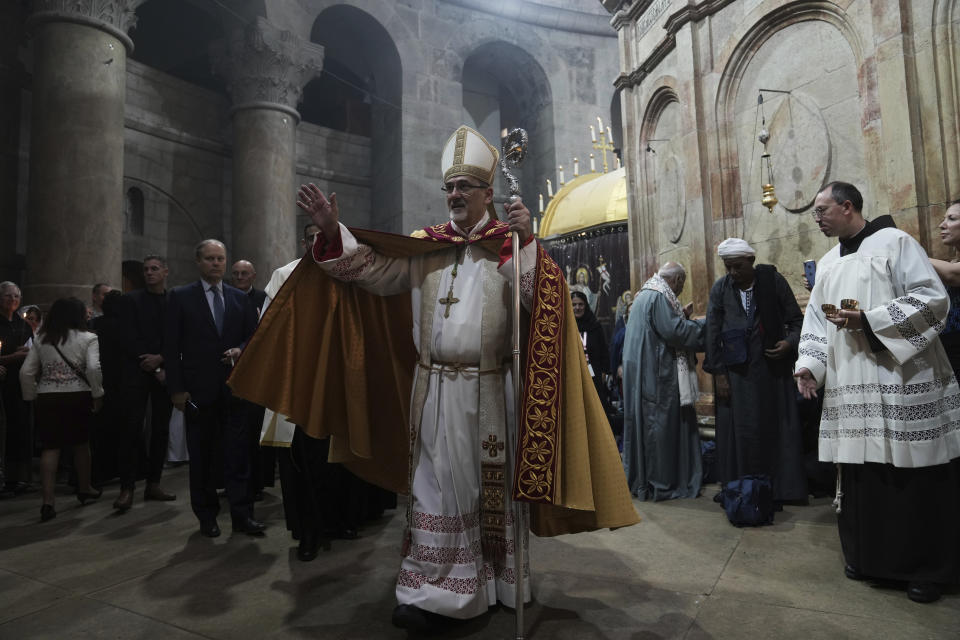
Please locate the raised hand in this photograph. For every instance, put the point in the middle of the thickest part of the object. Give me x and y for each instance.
(323, 212)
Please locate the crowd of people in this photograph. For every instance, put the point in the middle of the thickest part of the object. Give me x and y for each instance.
(884, 372)
(876, 355)
(102, 382)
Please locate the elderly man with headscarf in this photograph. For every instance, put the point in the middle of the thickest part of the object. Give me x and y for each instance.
(661, 445)
(753, 328)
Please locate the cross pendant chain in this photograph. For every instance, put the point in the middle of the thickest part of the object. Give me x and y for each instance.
(450, 300)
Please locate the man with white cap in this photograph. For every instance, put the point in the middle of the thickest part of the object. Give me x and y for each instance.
(753, 328)
(458, 556)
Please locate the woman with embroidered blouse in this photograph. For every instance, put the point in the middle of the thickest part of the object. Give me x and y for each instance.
(62, 376)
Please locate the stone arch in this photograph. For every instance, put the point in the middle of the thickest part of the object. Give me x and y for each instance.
(363, 81)
(749, 40)
(662, 169)
(504, 86)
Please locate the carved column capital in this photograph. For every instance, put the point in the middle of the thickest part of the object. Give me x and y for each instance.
(266, 67)
(116, 17)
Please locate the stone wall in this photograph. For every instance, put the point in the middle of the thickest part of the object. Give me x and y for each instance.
(558, 59)
(177, 153)
(563, 78)
(338, 163)
(871, 101)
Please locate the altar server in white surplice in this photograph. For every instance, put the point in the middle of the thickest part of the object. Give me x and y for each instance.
(891, 409)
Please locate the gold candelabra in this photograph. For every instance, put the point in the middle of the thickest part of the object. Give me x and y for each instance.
(605, 142)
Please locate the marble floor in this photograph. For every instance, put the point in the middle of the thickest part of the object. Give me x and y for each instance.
(683, 572)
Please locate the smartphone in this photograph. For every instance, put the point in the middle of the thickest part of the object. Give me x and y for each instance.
(810, 270)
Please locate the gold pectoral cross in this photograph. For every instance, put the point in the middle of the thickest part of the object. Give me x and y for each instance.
(449, 300)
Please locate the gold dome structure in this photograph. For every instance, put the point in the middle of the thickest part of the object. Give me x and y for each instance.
(588, 201)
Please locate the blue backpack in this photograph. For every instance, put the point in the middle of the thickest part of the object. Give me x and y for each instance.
(748, 501)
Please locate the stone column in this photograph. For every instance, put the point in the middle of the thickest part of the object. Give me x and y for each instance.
(75, 227)
(266, 69)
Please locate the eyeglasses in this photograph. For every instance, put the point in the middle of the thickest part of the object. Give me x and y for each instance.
(818, 212)
(465, 188)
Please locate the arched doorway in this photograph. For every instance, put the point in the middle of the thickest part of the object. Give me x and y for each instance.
(360, 92)
(505, 87)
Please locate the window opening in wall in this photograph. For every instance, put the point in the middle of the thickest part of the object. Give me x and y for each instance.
(133, 212)
(338, 99)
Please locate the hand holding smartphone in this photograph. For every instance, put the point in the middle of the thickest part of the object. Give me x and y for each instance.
(810, 271)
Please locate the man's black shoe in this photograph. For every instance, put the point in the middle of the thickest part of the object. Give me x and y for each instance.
(209, 529)
(307, 550)
(852, 573)
(923, 592)
(248, 526)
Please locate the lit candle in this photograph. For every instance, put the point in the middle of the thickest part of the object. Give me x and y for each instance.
(560, 171)
(599, 125)
(593, 164)
(541, 203)
(616, 162)
(576, 167)
(593, 134)
(536, 226)
(549, 188)
(609, 136)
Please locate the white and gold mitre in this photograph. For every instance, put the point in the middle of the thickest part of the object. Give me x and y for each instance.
(466, 153)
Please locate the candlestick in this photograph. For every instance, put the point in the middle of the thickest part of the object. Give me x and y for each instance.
(560, 172)
(593, 164)
(609, 136)
(549, 188)
(593, 134)
(541, 203)
(576, 167)
(536, 226)
(599, 125)
(616, 162)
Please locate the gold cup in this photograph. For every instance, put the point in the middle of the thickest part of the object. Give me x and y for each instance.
(850, 303)
(829, 310)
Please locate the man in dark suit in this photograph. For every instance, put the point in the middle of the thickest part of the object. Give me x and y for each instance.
(207, 324)
(143, 378)
(243, 274)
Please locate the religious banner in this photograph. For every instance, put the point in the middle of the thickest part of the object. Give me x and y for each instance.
(596, 263)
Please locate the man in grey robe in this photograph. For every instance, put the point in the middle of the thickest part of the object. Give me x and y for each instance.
(661, 444)
(753, 328)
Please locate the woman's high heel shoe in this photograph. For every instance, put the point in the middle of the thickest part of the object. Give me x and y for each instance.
(47, 513)
(84, 496)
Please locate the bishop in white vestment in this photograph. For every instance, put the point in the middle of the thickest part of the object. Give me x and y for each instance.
(463, 389)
